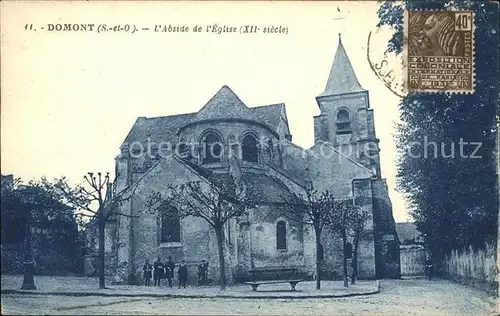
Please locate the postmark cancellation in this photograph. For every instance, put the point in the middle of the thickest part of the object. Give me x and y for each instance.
(438, 52)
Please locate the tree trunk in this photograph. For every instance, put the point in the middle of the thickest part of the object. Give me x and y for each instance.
(220, 246)
(344, 246)
(355, 260)
(318, 261)
(101, 224)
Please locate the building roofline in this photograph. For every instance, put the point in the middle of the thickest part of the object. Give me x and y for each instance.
(286, 175)
(345, 156)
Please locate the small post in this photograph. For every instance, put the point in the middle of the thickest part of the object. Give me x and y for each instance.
(28, 279)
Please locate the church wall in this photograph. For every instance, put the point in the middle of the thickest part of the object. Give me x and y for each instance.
(140, 240)
(195, 243)
(321, 128)
(366, 248)
(243, 257)
(332, 171)
(371, 123)
(263, 240)
(386, 238)
(366, 256)
(295, 161)
(309, 251)
(332, 265)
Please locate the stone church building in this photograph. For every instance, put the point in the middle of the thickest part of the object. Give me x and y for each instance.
(344, 160)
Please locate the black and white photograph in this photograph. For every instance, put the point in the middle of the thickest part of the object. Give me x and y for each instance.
(250, 158)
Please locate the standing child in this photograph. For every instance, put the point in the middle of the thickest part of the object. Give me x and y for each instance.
(183, 273)
(147, 269)
(158, 271)
(169, 270)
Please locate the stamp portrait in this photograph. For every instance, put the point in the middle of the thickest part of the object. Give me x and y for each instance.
(439, 51)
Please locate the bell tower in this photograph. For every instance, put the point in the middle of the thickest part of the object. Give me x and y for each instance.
(346, 120)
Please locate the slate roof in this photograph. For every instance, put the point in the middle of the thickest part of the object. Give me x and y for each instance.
(269, 114)
(407, 232)
(342, 78)
(261, 188)
(160, 129)
(225, 104)
(267, 189)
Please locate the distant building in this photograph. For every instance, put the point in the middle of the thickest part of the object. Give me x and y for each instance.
(412, 250)
(344, 159)
(408, 234)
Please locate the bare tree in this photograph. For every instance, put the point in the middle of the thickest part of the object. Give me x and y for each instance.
(98, 200)
(313, 208)
(216, 201)
(341, 223)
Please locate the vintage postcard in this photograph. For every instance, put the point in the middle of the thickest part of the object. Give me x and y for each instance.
(253, 158)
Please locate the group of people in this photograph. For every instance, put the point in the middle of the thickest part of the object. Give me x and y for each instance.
(159, 270)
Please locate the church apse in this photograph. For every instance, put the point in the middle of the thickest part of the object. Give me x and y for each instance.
(266, 161)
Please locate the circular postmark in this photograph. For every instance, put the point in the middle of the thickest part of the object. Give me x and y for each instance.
(387, 68)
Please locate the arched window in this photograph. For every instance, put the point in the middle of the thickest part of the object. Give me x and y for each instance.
(343, 122)
(212, 146)
(281, 235)
(343, 115)
(170, 227)
(249, 149)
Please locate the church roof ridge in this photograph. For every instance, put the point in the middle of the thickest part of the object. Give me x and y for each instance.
(342, 78)
(167, 116)
(218, 105)
(286, 141)
(266, 105)
(157, 163)
(225, 105)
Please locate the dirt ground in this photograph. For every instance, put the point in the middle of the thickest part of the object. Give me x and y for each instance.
(397, 297)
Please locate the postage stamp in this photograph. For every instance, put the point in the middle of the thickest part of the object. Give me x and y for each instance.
(438, 51)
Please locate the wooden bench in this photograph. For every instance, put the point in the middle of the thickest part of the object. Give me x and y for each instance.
(258, 272)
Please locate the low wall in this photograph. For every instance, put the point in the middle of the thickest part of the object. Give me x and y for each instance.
(46, 262)
(472, 266)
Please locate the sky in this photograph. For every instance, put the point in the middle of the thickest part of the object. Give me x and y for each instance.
(69, 98)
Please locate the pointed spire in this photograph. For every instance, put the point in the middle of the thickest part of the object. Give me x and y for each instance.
(342, 78)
